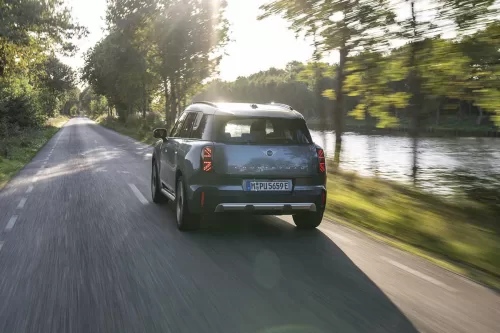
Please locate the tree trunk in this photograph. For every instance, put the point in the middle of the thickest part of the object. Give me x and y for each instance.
(173, 102)
(144, 101)
(414, 87)
(165, 86)
(318, 92)
(184, 102)
(480, 115)
(336, 155)
(339, 97)
(130, 108)
(438, 113)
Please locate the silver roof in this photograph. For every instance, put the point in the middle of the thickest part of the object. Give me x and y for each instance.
(246, 109)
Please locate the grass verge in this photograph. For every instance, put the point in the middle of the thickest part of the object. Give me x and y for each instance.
(19, 149)
(462, 235)
(140, 130)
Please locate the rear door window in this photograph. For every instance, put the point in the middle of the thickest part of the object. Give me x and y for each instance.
(199, 126)
(263, 131)
(187, 126)
(178, 126)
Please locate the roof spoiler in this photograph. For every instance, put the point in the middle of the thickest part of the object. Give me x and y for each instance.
(282, 105)
(206, 103)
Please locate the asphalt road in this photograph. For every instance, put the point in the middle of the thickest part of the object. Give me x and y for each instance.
(83, 249)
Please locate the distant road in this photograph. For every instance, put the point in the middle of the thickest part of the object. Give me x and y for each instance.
(83, 249)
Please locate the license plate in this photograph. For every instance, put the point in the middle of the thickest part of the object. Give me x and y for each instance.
(269, 185)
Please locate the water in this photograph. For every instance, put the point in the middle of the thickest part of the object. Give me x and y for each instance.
(447, 166)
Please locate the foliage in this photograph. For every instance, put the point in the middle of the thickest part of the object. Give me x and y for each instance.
(20, 147)
(348, 27)
(137, 127)
(273, 85)
(34, 84)
(25, 22)
(156, 46)
(379, 92)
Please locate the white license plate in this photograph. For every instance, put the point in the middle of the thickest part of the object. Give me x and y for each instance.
(269, 185)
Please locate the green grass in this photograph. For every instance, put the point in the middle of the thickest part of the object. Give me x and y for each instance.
(19, 149)
(140, 130)
(461, 235)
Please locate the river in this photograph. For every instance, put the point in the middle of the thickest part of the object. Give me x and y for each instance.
(447, 166)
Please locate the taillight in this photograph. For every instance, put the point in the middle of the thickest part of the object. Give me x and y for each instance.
(206, 158)
(321, 160)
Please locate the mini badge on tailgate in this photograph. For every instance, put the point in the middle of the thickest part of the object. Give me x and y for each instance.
(269, 152)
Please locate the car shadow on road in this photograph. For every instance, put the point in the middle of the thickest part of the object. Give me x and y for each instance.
(310, 284)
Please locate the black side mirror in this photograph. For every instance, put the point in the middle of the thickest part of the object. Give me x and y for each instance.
(160, 133)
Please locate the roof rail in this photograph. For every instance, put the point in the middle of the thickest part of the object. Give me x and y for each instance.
(207, 103)
(282, 105)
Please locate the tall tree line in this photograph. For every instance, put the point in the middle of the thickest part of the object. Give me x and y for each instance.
(357, 29)
(156, 50)
(459, 85)
(34, 83)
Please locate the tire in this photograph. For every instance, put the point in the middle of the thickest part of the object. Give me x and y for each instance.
(185, 219)
(309, 220)
(156, 194)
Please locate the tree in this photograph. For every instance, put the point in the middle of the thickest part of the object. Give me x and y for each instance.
(345, 26)
(482, 50)
(22, 22)
(187, 37)
(166, 44)
(376, 96)
(114, 68)
(313, 75)
(462, 16)
(33, 83)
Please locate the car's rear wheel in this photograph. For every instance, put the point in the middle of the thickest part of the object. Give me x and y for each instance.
(309, 220)
(185, 219)
(156, 194)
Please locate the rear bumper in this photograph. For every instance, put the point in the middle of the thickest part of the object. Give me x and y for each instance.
(265, 207)
(225, 199)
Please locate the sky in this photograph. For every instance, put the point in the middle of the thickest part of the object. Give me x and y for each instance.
(256, 45)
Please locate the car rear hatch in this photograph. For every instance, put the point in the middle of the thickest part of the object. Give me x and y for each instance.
(264, 161)
(264, 148)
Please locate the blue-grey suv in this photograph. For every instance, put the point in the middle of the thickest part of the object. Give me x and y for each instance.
(235, 157)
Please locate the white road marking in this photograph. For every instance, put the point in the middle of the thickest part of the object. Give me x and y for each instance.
(11, 223)
(337, 236)
(30, 188)
(39, 172)
(1, 245)
(21, 203)
(420, 275)
(138, 194)
(34, 180)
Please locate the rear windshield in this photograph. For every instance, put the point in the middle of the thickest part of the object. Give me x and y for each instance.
(263, 131)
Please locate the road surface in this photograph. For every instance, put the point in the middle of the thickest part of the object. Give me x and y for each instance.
(83, 249)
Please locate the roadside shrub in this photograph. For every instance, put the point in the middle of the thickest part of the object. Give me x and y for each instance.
(20, 105)
(133, 120)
